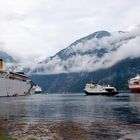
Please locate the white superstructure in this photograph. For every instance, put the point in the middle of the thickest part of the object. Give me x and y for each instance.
(38, 89)
(134, 83)
(14, 84)
(96, 89)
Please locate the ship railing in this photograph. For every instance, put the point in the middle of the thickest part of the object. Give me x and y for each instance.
(18, 76)
(12, 76)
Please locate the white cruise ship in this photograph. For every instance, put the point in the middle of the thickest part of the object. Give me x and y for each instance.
(13, 84)
(134, 84)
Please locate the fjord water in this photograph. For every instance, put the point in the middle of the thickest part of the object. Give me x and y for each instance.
(121, 112)
(72, 107)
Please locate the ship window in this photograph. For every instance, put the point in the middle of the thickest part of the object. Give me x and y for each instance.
(109, 89)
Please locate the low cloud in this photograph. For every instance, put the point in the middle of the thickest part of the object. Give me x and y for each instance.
(119, 46)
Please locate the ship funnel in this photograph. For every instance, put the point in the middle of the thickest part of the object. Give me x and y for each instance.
(1, 64)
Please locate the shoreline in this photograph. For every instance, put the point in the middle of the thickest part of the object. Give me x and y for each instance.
(16, 130)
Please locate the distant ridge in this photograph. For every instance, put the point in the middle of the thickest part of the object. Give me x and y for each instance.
(98, 35)
(6, 57)
(86, 54)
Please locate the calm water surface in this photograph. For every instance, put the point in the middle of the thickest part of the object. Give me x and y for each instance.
(124, 107)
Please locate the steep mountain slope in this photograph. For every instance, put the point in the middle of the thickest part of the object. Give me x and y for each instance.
(6, 57)
(87, 54)
(76, 49)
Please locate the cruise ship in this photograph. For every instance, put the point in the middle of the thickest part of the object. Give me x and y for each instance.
(13, 83)
(96, 89)
(134, 84)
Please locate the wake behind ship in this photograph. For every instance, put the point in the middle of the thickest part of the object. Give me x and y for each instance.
(13, 83)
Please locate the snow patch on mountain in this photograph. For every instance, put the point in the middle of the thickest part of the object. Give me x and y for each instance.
(96, 51)
(99, 50)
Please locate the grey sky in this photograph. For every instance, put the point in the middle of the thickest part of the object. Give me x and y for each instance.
(33, 29)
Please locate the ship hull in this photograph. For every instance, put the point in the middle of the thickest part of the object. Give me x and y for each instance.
(37, 92)
(10, 87)
(134, 84)
(102, 93)
(135, 89)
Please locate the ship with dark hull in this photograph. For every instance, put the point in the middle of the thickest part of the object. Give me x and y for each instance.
(96, 89)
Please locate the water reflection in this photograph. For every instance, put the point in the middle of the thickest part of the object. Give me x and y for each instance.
(101, 116)
(12, 108)
(72, 107)
(128, 109)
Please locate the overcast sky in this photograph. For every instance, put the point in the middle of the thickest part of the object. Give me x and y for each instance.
(34, 29)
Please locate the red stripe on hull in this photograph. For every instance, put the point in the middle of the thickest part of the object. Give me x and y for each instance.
(134, 89)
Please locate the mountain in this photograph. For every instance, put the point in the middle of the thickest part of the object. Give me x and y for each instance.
(6, 57)
(72, 51)
(87, 54)
(102, 56)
